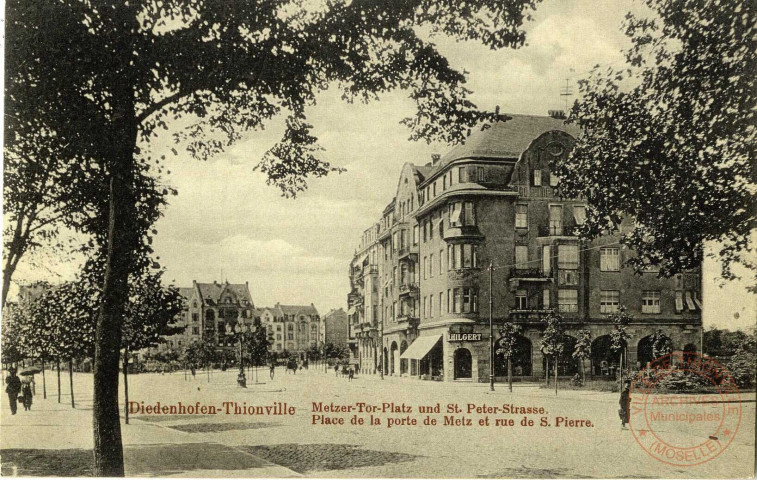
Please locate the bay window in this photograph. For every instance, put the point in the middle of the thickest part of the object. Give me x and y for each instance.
(462, 213)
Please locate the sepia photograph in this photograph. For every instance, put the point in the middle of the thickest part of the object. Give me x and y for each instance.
(379, 239)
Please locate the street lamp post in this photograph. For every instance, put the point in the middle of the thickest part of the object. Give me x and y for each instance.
(491, 332)
(381, 346)
(238, 332)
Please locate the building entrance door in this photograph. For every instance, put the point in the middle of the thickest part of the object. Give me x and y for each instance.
(463, 363)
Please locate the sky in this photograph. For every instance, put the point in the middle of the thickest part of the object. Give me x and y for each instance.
(226, 224)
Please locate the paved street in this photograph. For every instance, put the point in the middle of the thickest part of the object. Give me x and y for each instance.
(290, 445)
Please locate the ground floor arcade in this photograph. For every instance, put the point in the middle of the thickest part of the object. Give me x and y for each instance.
(461, 352)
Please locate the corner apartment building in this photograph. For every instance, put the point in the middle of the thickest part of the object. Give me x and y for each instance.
(493, 201)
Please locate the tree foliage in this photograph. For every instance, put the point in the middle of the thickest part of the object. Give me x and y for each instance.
(662, 344)
(720, 342)
(619, 335)
(257, 345)
(10, 349)
(582, 350)
(553, 336)
(152, 311)
(670, 138)
(506, 343)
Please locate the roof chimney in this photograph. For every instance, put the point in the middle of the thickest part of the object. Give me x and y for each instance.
(560, 114)
(435, 158)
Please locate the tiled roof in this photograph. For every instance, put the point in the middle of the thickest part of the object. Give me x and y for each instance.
(422, 171)
(186, 292)
(297, 309)
(211, 292)
(508, 139)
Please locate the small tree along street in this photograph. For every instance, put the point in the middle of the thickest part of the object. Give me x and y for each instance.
(619, 338)
(582, 351)
(506, 347)
(553, 342)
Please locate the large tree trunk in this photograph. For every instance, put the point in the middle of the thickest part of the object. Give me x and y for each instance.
(122, 242)
(71, 380)
(12, 259)
(510, 373)
(126, 385)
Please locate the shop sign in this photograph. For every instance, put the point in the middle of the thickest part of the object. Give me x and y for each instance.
(464, 337)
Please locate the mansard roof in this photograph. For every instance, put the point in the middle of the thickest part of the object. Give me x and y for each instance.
(506, 139)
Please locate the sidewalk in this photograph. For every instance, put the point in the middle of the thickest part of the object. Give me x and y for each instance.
(149, 449)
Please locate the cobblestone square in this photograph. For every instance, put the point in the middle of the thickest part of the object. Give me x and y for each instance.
(291, 445)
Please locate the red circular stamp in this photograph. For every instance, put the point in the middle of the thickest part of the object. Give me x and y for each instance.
(684, 429)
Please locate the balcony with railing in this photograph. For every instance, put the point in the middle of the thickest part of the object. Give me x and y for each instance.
(409, 288)
(408, 319)
(354, 298)
(408, 253)
(364, 329)
(462, 232)
(556, 229)
(529, 314)
(529, 274)
(370, 270)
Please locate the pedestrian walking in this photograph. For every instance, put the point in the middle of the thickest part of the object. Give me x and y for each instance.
(272, 370)
(336, 369)
(27, 391)
(12, 388)
(625, 395)
(352, 373)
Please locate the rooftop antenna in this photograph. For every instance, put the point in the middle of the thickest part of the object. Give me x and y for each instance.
(567, 91)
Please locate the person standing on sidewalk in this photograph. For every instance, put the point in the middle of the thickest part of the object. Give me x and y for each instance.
(625, 395)
(12, 388)
(27, 391)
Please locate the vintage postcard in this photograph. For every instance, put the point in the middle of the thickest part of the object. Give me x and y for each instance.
(379, 238)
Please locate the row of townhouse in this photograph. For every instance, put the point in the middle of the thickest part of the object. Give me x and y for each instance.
(215, 309)
(419, 302)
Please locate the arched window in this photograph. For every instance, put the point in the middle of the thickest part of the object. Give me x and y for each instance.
(463, 363)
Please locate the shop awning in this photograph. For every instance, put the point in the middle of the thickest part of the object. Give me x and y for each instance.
(690, 301)
(421, 346)
(351, 311)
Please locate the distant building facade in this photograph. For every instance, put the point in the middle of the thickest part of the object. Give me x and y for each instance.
(494, 201)
(215, 309)
(293, 328)
(336, 328)
(209, 308)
